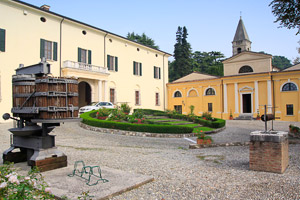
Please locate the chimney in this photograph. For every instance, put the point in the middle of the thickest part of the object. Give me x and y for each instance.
(45, 7)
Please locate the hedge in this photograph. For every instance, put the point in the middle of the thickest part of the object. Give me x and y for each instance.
(88, 118)
(152, 112)
(218, 123)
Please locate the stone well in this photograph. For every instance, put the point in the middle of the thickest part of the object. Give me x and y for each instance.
(269, 151)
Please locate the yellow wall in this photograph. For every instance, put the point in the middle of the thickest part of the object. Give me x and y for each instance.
(245, 84)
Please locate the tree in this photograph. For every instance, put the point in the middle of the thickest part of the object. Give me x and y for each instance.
(143, 39)
(287, 13)
(208, 62)
(281, 62)
(182, 65)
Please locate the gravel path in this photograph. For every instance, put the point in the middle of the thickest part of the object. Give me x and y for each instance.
(181, 173)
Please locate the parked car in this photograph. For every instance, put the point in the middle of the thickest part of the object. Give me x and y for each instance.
(95, 106)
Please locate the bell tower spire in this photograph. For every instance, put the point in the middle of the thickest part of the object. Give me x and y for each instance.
(241, 41)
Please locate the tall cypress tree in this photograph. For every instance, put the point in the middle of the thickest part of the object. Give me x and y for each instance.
(182, 64)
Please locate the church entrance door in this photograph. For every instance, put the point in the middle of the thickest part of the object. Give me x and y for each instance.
(247, 107)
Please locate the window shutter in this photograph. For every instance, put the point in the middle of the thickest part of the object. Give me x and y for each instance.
(55, 51)
(134, 72)
(140, 69)
(154, 71)
(159, 72)
(2, 40)
(108, 62)
(90, 57)
(79, 54)
(42, 48)
(116, 64)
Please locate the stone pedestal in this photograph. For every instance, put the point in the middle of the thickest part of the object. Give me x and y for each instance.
(269, 152)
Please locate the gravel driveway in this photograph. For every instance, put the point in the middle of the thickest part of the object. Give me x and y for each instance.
(181, 173)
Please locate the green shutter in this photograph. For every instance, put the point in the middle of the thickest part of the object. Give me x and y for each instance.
(79, 54)
(108, 62)
(55, 51)
(140, 69)
(116, 64)
(159, 72)
(90, 57)
(134, 72)
(42, 48)
(2, 40)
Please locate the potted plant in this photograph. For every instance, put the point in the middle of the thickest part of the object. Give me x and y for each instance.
(230, 116)
(125, 108)
(204, 139)
(103, 113)
(257, 116)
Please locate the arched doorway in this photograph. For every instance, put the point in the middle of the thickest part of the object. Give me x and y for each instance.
(85, 94)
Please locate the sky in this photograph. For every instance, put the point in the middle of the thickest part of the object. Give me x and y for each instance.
(211, 24)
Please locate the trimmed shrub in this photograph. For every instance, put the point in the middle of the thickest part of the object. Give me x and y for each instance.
(152, 112)
(151, 128)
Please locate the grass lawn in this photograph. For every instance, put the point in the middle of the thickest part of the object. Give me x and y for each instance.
(203, 129)
(161, 119)
(175, 122)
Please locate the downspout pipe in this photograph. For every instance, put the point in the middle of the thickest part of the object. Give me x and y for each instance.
(164, 82)
(60, 45)
(105, 49)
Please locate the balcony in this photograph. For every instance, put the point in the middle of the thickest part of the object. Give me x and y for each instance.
(85, 67)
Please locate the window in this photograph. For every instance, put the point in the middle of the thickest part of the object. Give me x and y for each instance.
(112, 63)
(289, 109)
(177, 94)
(210, 107)
(289, 87)
(192, 93)
(245, 69)
(239, 50)
(178, 109)
(137, 98)
(137, 68)
(48, 50)
(112, 95)
(84, 56)
(2, 40)
(157, 99)
(210, 91)
(157, 72)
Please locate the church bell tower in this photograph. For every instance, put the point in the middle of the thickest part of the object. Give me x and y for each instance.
(241, 41)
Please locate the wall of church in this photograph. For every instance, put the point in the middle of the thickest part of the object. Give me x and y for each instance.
(241, 95)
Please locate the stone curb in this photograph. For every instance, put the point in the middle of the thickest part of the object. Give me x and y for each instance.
(142, 134)
(199, 146)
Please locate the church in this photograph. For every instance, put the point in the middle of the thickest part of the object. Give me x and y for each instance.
(249, 82)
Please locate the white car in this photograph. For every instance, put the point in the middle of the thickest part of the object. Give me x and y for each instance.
(95, 106)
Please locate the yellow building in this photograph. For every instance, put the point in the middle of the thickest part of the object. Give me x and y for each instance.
(250, 81)
(109, 67)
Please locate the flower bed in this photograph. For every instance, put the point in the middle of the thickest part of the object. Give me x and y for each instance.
(89, 119)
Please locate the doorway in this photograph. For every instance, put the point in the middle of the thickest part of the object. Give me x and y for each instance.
(247, 103)
(178, 109)
(85, 94)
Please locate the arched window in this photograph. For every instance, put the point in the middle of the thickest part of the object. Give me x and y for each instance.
(245, 69)
(210, 91)
(192, 93)
(289, 87)
(177, 94)
(239, 50)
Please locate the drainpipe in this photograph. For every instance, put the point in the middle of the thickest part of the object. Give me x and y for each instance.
(222, 99)
(164, 84)
(60, 46)
(105, 49)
